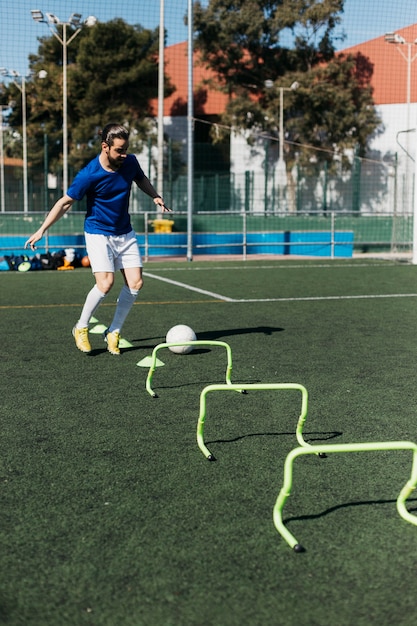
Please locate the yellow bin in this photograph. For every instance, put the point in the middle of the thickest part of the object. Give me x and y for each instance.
(162, 226)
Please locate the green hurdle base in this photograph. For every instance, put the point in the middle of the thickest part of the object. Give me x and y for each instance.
(247, 387)
(340, 448)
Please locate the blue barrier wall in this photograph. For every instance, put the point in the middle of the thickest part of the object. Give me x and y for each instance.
(317, 243)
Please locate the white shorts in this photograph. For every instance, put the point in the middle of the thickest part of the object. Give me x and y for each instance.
(108, 253)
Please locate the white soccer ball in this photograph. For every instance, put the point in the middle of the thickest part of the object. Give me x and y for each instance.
(179, 333)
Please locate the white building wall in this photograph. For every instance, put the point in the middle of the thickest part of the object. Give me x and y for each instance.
(395, 147)
(252, 158)
(387, 161)
(394, 120)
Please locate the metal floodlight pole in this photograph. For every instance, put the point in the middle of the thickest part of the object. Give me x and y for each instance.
(281, 124)
(64, 109)
(2, 195)
(65, 42)
(414, 257)
(190, 135)
(25, 148)
(22, 88)
(395, 38)
(160, 173)
(399, 41)
(52, 21)
(281, 169)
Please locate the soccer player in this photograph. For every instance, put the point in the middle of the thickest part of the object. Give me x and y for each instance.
(111, 242)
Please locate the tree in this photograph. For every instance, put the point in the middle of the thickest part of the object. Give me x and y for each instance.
(332, 109)
(240, 40)
(115, 78)
(332, 112)
(112, 74)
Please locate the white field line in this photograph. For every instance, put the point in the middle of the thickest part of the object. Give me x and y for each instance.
(218, 296)
(310, 298)
(190, 288)
(208, 268)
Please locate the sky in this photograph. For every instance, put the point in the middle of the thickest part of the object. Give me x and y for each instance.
(362, 20)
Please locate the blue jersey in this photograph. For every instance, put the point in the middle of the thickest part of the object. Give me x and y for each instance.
(108, 195)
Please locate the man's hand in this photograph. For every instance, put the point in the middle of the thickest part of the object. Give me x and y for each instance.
(30, 243)
(160, 201)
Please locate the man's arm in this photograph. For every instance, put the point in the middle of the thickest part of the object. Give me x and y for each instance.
(146, 186)
(58, 210)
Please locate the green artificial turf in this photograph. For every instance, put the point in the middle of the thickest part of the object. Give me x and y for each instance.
(111, 516)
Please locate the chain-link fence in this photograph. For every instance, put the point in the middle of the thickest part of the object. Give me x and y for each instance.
(365, 209)
(332, 234)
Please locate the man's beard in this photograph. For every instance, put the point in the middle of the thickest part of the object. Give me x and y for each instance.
(115, 163)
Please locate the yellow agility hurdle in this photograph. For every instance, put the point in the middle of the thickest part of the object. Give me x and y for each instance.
(249, 387)
(338, 448)
(187, 343)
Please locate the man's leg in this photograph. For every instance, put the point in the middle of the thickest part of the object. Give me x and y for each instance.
(80, 330)
(92, 302)
(125, 301)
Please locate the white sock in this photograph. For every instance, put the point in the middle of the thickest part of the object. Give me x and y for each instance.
(125, 302)
(92, 301)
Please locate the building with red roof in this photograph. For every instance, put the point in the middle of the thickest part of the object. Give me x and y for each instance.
(389, 56)
(207, 101)
(394, 83)
(394, 68)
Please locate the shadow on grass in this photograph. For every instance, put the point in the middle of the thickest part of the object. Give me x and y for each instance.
(151, 348)
(213, 335)
(321, 436)
(345, 505)
(204, 383)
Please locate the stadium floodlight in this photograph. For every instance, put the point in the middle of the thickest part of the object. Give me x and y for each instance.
(37, 15)
(394, 38)
(75, 19)
(52, 19)
(90, 21)
(74, 22)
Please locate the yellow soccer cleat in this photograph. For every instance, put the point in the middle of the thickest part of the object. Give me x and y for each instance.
(112, 340)
(81, 339)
